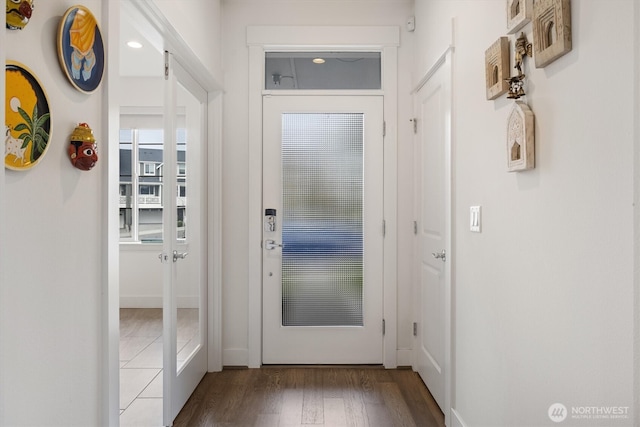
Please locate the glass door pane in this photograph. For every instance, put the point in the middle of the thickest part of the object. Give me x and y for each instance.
(322, 173)
(151, 181)
(185, 233)
(188, 229)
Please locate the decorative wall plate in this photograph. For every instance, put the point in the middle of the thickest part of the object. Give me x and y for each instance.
(520, 138)
(27, 118)
(80, 49)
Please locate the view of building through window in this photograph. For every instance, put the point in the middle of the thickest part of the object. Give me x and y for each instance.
(141, 209)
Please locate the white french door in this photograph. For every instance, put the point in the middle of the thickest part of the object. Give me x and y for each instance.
(184, 245)
(432, 184)
(323, 229)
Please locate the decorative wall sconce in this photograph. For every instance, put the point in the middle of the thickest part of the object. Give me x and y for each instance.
(516, 84)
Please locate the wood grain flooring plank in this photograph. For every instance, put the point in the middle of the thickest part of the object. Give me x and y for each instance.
(271, 384)
(312, 404)
(354, 405)
(291, 411)
(421, 403)
(267, 420)
(333, 382)
(334, 412)
(378, 415)
(396, 405)
(311, 396)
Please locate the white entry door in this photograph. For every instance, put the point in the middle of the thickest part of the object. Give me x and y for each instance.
(323, 229)
(433, 224)
(184, 245)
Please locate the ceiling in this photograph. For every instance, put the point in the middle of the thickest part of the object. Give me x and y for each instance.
(147, 60)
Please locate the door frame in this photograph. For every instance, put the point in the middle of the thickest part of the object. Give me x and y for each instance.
(261, 39)
(443, 64)
(110, 396)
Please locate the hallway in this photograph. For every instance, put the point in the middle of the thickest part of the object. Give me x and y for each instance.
(332, 396)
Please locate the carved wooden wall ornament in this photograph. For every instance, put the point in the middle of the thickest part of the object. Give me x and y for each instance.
(497, 63)
(520, 138)
(551, 30)
(519, 13)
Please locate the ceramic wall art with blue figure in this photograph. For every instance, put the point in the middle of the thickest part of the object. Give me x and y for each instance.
(80, 48)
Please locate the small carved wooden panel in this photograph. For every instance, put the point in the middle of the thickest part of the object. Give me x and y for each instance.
(519, 13)
(520, 138)
(551, 30)
(497, 68)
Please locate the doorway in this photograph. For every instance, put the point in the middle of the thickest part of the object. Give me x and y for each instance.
(263, 39)
(323, 229)
(164, 223)
(432, 351)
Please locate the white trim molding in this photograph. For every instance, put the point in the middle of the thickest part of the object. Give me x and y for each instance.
(384, 39)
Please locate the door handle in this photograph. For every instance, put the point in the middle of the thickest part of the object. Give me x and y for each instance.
(440, 255)
(270, 245)
(179, 255)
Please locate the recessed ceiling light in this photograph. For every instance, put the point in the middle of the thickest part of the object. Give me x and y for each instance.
(318, 61)
(134, 44)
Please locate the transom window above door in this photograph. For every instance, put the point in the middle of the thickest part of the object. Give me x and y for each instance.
(323, 71)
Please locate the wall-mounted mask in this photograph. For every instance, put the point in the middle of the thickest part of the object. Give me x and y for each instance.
(18, 13)
(82, 148)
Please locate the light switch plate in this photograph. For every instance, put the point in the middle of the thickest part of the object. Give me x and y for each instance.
(475, 219)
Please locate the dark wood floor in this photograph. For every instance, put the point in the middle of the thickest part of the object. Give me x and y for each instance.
(319, 396)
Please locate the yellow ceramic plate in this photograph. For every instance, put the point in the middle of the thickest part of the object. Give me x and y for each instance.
(27, 118)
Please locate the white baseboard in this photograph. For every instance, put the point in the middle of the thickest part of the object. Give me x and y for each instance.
(456, 421)
(235, 357)
(140, 302)
(155, 302)
(405, 357)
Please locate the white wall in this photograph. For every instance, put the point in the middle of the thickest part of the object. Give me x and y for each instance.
(544, 295)
(236, 17)
(51, 284)
(198, 22)
(51, 291)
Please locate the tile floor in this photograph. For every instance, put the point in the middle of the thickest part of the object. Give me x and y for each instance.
(141, 361)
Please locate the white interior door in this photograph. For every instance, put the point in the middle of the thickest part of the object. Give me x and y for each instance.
(184, 248)
(432, 201)
(323, 229)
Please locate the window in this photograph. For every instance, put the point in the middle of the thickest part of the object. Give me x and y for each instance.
(323, 71)
(148, 169)
(142, 178)
(141, 213)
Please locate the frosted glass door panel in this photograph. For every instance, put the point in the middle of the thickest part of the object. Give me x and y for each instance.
(322, 229)
(322, 234)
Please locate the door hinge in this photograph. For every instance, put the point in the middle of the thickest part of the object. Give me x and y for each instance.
(384, 128)
(415, 124)
(384, 327)
(415, 227)
(415, 329)
(166, 65)
(384, 228)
